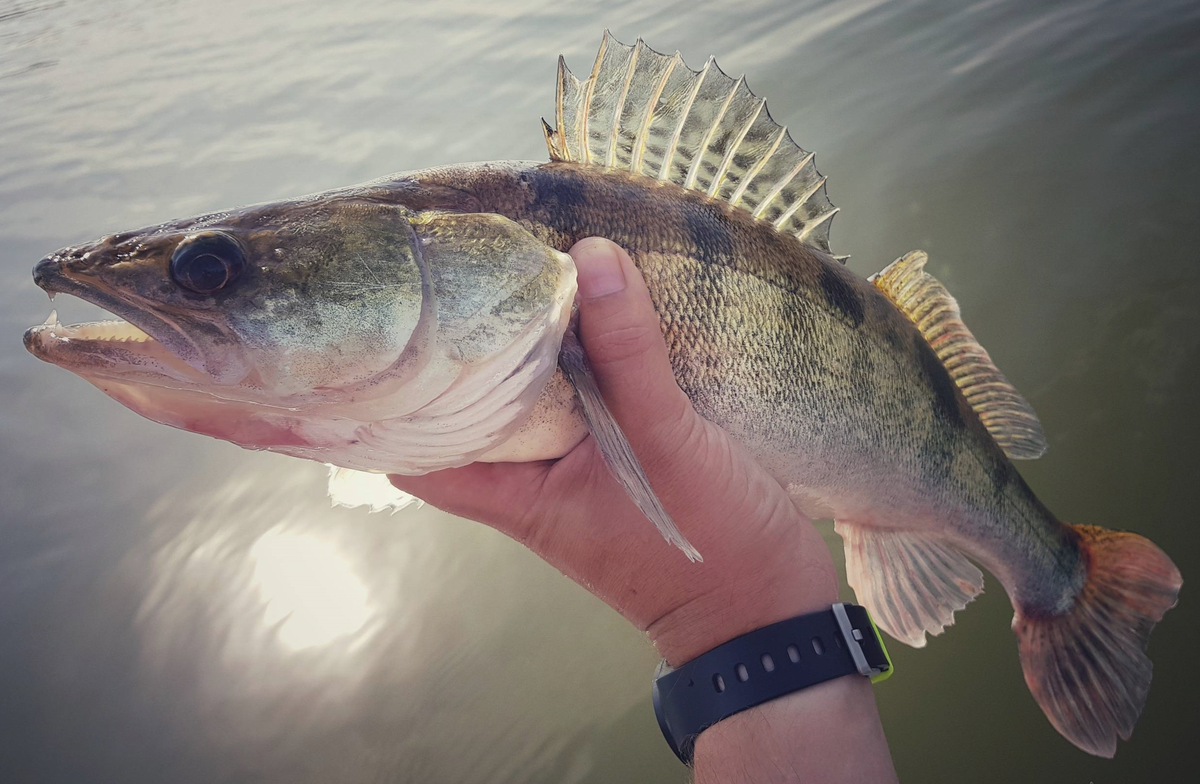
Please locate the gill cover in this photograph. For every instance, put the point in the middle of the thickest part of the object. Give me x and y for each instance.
(337, 328)
(501, 300)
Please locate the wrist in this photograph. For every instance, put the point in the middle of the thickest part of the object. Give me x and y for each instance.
(830, 731)
(745, 600)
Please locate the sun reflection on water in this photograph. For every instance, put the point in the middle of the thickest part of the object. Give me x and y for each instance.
(312, 593)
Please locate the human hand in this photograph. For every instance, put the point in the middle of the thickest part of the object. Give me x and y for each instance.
(763, 560)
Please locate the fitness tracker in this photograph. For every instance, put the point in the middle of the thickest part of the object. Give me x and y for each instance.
(762, 665)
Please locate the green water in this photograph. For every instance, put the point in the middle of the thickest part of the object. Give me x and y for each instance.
(174, 609)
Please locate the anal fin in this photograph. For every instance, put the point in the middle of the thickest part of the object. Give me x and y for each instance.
(911, 583)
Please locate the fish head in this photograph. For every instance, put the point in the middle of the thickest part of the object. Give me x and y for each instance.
(317, 327)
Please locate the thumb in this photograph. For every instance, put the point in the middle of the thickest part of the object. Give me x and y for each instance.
(620, 333)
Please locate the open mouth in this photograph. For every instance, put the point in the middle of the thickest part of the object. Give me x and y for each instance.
(150, 348)
(112, 348)
(114, 330)
(53, 333)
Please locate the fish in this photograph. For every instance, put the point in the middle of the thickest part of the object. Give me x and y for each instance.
(423, 321)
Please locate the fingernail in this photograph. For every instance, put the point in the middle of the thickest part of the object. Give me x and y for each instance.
(600, 269)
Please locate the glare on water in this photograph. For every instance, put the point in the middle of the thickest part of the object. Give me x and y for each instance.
(311, 591)
(176, 609)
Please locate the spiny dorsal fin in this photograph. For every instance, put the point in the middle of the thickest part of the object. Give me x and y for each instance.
(1008, 416)
(646, 112)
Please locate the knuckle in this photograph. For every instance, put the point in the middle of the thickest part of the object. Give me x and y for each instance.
(622, 344)
(672, 447)
(683, 431)
(524, 521)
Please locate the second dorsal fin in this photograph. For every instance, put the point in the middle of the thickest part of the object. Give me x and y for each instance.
(1008, 416)
(648, 113)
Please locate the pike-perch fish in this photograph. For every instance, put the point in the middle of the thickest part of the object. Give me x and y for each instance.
(418, 322)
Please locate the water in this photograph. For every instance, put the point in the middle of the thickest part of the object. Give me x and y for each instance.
(176, 609)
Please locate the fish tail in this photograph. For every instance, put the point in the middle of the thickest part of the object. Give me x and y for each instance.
(1087, 667)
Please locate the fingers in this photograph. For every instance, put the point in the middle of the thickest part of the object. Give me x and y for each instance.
(497, 494)
(620, 332)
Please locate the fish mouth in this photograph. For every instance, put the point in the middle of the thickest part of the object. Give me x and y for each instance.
(139, 344)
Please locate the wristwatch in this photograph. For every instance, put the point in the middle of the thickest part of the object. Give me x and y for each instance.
(762, 665)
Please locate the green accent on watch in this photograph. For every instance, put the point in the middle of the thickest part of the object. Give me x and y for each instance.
(891, 668)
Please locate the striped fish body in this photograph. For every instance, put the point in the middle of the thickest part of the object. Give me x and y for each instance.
(810, 366)
(869, 399)
(421, 322)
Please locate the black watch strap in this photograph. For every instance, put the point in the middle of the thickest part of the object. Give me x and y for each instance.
(762, 665)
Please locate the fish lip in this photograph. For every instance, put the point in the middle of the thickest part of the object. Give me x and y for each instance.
(50, 275)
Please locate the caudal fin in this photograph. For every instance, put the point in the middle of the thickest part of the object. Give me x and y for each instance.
(1087, 668)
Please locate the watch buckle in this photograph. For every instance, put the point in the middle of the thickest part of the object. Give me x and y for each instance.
(854, 638)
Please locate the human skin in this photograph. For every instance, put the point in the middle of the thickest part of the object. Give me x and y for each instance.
(763, 560)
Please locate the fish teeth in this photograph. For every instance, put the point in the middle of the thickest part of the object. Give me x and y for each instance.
(51, 322)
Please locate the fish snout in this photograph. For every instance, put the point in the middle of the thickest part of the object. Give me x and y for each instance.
(53, 273)
(56, 269)
(32, 344)
(47, 271)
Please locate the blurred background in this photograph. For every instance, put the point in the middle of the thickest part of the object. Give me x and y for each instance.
(176, 609)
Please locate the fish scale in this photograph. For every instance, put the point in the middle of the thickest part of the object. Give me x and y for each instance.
(422, 321)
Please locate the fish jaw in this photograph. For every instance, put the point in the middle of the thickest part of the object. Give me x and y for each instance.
(138, 371)
(111, 348)
(140, 344)
(360, 334)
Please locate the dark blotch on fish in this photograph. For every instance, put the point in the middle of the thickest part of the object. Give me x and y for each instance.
(709, 235)
(841, 295)
(936, 453)
(563, 194)
(945, 393)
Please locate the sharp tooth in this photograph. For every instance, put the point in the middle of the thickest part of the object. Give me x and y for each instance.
(51, 295)
(51, 320)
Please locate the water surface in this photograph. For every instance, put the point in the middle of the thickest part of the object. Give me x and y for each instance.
(176, 609)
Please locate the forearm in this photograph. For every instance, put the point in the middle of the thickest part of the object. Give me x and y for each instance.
(829, 733)
(763, 562)
(826, 733)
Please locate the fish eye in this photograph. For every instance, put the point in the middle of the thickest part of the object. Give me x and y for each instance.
(206, 263)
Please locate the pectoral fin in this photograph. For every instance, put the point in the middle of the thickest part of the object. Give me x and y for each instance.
(614, 447)
(353, 489)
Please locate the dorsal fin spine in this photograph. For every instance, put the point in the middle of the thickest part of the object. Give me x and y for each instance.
(647, 113)
(786, 216)
(662, 83)
(665, 171)
(723, 170)
(560, 124)
(587, 97)
(560, 139)
(611, 155)
(778, 189)
(741, 188)
(817, 221)
(694, 169)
